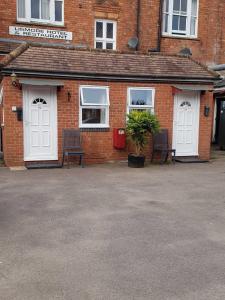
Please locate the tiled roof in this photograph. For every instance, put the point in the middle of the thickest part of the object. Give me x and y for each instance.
(62, 60)
(6, 47)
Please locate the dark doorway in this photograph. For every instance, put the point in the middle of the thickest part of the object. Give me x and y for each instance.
(219, 137)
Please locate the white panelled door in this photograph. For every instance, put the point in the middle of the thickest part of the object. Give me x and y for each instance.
(186, 123)
(40, 123)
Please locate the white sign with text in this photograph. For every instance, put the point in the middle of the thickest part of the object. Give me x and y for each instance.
(40, 33)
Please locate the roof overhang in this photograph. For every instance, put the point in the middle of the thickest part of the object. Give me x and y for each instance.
(110, 77)
(193, 87)
(42, 82)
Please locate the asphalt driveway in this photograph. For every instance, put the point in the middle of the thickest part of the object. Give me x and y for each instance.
(112, 233)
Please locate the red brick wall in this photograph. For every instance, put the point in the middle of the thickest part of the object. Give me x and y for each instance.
(206, 123)
(209, 47)
(98, 146)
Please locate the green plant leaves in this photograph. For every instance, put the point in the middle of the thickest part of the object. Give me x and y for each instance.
(139, 125)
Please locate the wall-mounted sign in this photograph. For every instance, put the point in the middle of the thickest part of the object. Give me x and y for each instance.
(40, 33)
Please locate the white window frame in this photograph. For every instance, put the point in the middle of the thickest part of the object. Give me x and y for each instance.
(28, 18)
(170, 13)
(94, 106)
(105, 40)
(1, 95)
(141, 107)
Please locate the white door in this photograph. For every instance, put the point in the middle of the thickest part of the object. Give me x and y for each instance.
(186, 123)
(40, 123)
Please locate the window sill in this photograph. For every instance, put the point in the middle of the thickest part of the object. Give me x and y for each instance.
(100, 129)
(40, 24)
(174, 36)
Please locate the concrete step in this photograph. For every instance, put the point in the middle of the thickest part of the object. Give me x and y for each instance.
(190, 159)
(30, 166)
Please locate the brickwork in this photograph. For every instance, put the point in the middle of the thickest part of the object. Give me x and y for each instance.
(79, 17)
(98, 146)
(208, 47)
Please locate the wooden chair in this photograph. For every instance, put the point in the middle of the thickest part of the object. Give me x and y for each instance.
(161, 145)
(72, 145)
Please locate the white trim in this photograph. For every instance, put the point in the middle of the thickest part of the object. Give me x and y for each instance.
(42, 82)
(170, 13)
(94, 106)
(26, 97)
(104, 40)
(147, 107)
(196, 100)
(1, 94)
(29, 19)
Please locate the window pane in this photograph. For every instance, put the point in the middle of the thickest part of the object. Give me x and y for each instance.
(99, 29)
(182, 23)
(21, 9)
(93, 116)
(45, 9)
(175, 23)
(141, 97)
(166, 5)
(109, 31)
(194, 8)
(35, 9)
(94, 96)
(58, 11)
(184, 6)
(176, 5)
(166, 18)
(193, 26)
(99, 45)
(109, 46)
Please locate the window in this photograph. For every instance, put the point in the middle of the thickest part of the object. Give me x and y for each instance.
(180, 17)
(141, 99)
(105, 34)
(47, 11)
(94, 107)
(39, 100)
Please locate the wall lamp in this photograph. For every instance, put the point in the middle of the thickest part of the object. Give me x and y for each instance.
(15, 81)
(69, 95)
(206, 111)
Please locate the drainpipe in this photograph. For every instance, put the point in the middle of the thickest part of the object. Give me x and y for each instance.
(138, 22)
(159, 26)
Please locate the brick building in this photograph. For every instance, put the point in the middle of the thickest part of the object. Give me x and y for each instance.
(85, 63)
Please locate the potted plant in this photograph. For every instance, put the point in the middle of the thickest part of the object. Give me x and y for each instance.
(140, 125)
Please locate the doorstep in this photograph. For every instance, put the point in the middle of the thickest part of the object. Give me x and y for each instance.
(190, 160)
(43, 165)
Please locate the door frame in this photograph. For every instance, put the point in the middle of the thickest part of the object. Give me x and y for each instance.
(27, 89)
(196, 98)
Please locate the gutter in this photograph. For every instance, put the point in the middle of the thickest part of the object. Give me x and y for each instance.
(107, 77)
(218, 67)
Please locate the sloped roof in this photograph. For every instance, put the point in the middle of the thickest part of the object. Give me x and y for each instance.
(6, 47)
(67, 61)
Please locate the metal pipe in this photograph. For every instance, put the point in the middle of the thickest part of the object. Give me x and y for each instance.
(218, 67)
(138, 22)
(159, 26)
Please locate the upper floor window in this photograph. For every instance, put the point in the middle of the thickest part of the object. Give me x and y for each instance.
(180, 17)
(47, 11)
(105, 34)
